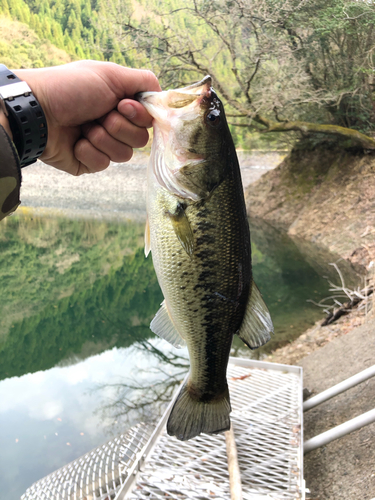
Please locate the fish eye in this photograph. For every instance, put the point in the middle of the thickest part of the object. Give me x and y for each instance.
(213, 118)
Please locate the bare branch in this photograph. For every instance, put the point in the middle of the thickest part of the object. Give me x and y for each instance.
(252, 76)
(277, 116)
(244, 125)
(237, 115)
(358, 138)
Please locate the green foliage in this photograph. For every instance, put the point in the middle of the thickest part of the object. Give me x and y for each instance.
(21, 48)
(4, 8)
(72, 25)
(279, 60)
(337, 44)
(67, 283)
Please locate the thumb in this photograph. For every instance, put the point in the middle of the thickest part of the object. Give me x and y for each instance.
(126, 82)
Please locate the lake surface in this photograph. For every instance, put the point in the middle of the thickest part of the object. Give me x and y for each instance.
(78, 362)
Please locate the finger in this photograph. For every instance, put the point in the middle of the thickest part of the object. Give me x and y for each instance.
(135, 112)
(116, 150)
(122, 130)
(131, 81)
(91, 159)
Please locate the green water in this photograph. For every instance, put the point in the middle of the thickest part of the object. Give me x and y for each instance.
(78, 362)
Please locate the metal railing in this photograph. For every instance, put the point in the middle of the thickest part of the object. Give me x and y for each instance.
(347, 427)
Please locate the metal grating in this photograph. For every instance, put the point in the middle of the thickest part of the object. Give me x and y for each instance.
(98, 475)
(267, 421)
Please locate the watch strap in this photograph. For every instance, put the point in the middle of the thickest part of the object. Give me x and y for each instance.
(26, 117)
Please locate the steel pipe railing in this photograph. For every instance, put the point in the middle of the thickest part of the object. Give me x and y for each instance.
(339, 388)
(339, 431)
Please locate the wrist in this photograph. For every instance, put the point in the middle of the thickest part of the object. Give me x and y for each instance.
(33, 77)
(4, 122)
(25, 116)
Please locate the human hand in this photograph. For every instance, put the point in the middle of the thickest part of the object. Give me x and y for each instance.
(90, 114)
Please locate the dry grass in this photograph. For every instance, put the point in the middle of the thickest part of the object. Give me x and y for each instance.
(345, 299)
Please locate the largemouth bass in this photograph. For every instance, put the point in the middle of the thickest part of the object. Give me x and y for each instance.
(199, 236)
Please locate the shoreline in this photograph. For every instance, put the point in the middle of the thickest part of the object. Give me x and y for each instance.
(316, 337)
(118, 190)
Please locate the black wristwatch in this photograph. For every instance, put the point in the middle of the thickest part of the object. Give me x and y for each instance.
(26, 117)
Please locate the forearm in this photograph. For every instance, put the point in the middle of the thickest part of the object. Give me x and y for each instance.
(10, 173)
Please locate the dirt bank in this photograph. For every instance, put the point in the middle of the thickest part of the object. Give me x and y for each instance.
(343, 469)
(323, 194)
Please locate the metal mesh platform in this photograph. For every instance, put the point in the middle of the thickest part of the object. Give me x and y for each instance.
(98, 475)
(266, 416)
(267, 421)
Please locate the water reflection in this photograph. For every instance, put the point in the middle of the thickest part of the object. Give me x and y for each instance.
(49, 418)
(73, 288)
(136, 397)
(289, 273)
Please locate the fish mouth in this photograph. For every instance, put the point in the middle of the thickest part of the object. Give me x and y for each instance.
(197, 88)
(178, 98)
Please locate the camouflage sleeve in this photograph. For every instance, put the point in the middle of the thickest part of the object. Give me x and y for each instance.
(10, 176)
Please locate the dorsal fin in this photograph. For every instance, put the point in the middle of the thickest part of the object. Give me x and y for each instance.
(257, 325)
(163, 326)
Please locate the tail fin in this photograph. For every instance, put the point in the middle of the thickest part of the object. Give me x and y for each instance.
(189, 417)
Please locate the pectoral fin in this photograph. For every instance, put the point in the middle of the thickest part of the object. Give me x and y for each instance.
(181, 226)
(147, 238)
(163, 326)
(257, 325)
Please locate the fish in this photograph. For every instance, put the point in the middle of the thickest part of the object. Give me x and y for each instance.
(198, 234)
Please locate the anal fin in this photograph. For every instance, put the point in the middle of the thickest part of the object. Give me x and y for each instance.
(257, 325)
(163, 326)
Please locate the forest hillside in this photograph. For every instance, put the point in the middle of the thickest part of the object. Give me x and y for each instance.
(78, 27)
(284, 68)
(20, 47)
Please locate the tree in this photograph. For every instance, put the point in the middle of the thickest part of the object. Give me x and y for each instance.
(339, 56)
(280, 65)
(4, 8)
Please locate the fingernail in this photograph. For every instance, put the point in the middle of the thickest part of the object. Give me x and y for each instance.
(128, 110)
